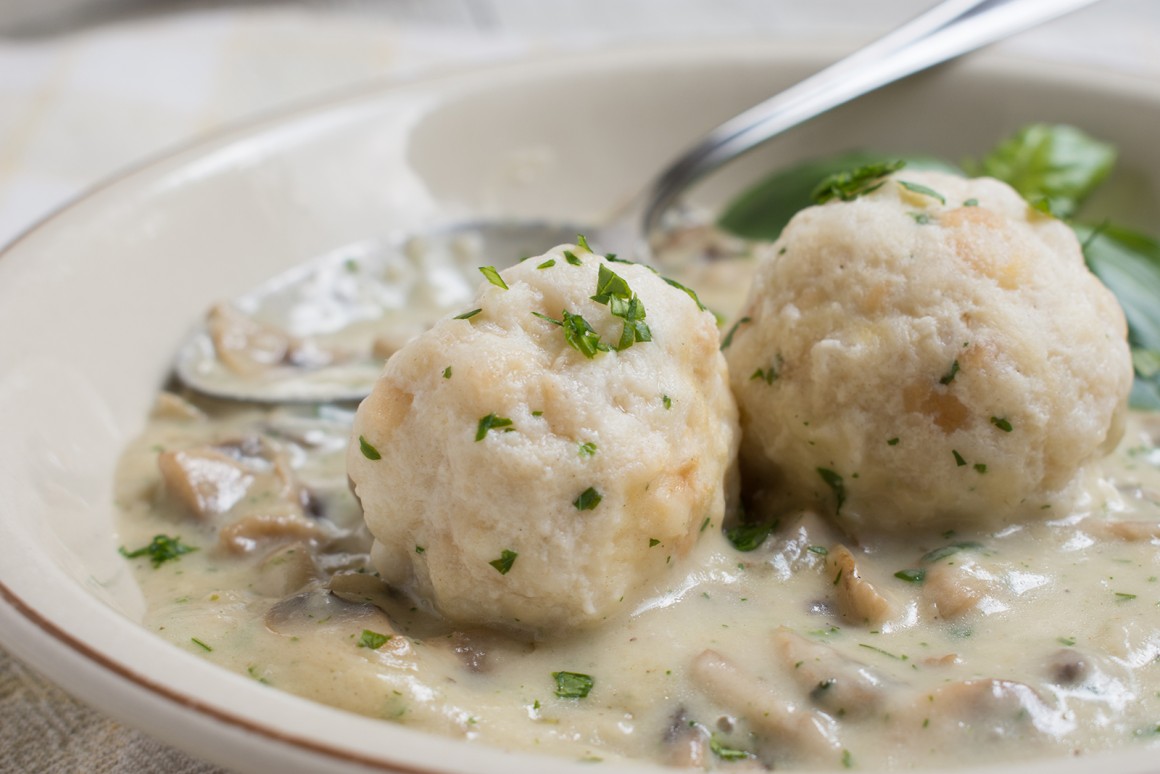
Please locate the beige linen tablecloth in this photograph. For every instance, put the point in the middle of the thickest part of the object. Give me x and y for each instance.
(79, 105)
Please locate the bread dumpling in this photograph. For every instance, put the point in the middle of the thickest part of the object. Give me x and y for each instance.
(542, 462)
(933, 353)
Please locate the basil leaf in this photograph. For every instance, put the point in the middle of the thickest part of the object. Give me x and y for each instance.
(1055, 164)
(761, 211)
(1129, 264)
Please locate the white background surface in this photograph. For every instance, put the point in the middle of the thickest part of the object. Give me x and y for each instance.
(89, 88)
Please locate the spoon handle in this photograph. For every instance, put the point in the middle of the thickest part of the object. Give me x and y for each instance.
(948, 30)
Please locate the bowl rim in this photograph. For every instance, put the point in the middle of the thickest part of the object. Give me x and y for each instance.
(81, 655)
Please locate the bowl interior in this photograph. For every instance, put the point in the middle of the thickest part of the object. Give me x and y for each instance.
(94, 301)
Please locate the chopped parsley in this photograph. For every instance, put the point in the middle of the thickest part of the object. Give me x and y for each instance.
(1002, 423)
(588, 499)
(372, 640)
(653, 542)
(447, 372)
(578, 333)
(420, 550)
(911, 575)
(918, 188)
(892, 441)
(972, 202)
(467, 315)
(582, 243)
(819, 550)
(849, 185)
(572, 685)
(980, 468)
(493, 276)
(547, 264)
(369, 451)
(160, 550)
(949, 550)
(613, 291)
(667, 401)
(949, 376)
(504, 564)
(921, 218)
(571, 258)
(959, 461)
(490, 422)
(587, 449)
(1124, 597)
(836, 485)
(688, 291)
(748, 537)
(726, 753)
(728, 340)
(201, 644)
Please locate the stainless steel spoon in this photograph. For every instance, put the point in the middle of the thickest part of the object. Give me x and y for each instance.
(360, 285)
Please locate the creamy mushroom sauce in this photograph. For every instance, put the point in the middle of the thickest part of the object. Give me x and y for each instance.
(814, 650)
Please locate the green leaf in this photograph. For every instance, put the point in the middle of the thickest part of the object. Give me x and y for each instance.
(1053, 164)
(949, 550)
(160, 550)
(493, 276)
(1129, 264)
(837, 486)
(372, 640)
(369, 451)
(587, 500)
(490, 422)
(504, 563)
(761, 211)
(572, 685)
(747, 537)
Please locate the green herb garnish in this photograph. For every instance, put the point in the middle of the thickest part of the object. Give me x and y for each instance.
(959, 461)
(582, 243)
(467, 315)
(728, 340)
(849, 185)
(571, 258)
(688, 291)
(667, 402)
(504, 564)
(836, 485)
(949, 550)
(949, 376)
(372, 640)
(726, 753)
(160, 550)
(493, 276)
(919, 188)
(588, 499)
(369, 451)
(201, 644)
(1001, 423)
(547, 264)
(748, 537)
(490, 422)
(447, 372)
(572, 685)
(911, 575)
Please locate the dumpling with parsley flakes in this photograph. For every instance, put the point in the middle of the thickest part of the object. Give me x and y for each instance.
(545, 459)
(927, 351)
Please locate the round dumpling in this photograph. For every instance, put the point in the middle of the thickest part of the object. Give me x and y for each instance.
(933, 353)
(542, 462)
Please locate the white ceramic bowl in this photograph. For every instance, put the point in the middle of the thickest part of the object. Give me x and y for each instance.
(94, 300)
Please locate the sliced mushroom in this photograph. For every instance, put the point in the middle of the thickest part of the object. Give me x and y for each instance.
(841, 686)
(954, 589)
(686, 742)
(172, 406)
(1129, 531)
(806, 731)
(858, 601)
(257, 529)
(244, 345)
(205, 481)
(285, 570)
(991, 710)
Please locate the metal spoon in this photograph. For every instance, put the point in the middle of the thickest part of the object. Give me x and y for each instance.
(359, 285)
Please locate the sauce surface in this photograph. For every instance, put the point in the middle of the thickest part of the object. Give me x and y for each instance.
(811, 650)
